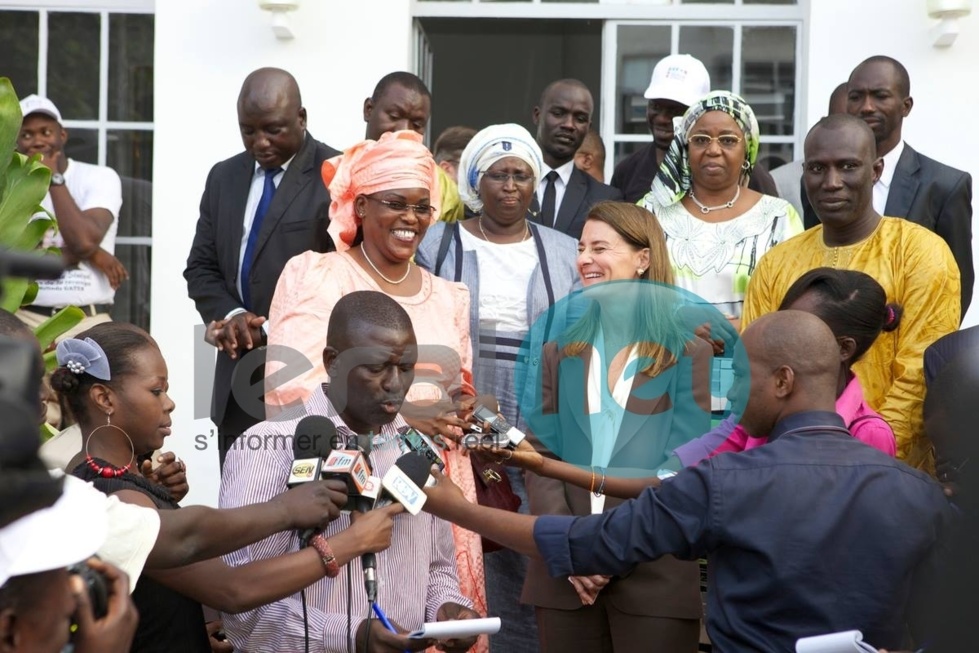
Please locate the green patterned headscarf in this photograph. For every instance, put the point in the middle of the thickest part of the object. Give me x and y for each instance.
(673, 181)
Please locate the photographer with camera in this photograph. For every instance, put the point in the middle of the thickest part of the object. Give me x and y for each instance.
(44, 603)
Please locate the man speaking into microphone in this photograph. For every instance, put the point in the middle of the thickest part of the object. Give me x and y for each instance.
(370, 356)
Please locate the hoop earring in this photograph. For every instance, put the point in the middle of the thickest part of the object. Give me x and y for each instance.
(108, 471)
(746, 166)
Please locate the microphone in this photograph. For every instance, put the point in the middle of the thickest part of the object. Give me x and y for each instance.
(312, 442)
(405, 480)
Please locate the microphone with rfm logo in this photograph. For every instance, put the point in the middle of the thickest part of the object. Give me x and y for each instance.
(351, 467)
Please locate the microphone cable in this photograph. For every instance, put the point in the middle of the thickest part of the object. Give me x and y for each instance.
(302, 599)
(351, 644)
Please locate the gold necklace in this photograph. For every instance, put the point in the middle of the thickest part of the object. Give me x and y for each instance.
(479, 222)
(374, 267)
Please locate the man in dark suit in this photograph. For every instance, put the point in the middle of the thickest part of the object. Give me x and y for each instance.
(565, 194)
(912, 186)
(259, 209)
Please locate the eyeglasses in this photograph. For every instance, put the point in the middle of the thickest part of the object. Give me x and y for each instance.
(421, 211)
(703, 141)
(501, 178)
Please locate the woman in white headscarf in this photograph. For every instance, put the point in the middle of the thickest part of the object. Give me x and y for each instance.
(515, 270)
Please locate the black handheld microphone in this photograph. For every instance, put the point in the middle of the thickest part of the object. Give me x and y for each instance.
(312, 442)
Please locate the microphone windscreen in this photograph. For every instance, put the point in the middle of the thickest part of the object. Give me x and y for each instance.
(416, 467)
(315, 437)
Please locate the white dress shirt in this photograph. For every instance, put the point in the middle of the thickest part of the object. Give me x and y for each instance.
(883, 186)
(560, 185)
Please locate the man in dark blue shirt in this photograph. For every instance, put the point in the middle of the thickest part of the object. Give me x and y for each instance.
(813, 533)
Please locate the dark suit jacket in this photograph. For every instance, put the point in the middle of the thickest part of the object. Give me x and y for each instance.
(582, 193)
(666, 587)
(295, 222)
(936, 196)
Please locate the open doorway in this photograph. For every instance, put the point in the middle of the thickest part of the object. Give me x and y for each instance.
(488, 71)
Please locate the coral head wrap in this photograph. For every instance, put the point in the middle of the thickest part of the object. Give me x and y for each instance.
(489, 146)
(398, 160)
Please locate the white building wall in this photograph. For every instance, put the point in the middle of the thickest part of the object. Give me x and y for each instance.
(204, 49)
(842, 33)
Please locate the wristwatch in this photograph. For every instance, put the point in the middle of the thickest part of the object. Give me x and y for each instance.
(57, 179)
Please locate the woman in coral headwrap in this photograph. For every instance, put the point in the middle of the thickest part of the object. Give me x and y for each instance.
(384, 197)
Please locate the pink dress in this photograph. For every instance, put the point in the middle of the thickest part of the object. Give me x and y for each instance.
(864, 424)
(309, 287)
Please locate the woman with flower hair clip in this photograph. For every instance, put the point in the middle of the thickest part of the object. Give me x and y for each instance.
(114, 380)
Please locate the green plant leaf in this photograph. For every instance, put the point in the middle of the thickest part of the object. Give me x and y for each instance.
(30, 294)
(13, 291)
(47, 432)
(23, 189)
(50, 361)
(10, 120)
(33, 234)
(65, 319)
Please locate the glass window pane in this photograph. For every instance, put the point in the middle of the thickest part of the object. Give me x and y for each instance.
(714, 46)
(73, 64)
(19, 49)
(83, 144)
(706, 2)
(132, 300)
(640, 47)
(768, 77)
(622, 150)
(770, 2)
(131, 67)
(130, 153)
(772, 155)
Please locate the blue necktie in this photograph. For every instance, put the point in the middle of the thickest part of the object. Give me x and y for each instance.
(263, 207)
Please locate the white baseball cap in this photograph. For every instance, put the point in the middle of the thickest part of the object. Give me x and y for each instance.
(68, 532)
(37, 104)
(679, 77)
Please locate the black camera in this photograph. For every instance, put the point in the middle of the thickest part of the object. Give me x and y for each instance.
(97, 587)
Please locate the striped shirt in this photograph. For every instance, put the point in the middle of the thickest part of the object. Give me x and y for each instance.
(416, 575)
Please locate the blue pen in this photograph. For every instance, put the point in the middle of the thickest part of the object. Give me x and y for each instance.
(383, 618)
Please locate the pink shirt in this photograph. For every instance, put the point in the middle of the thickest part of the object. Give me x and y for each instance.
(865, 425)
(309, 287)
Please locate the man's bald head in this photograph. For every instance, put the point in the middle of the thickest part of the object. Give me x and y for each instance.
(793, 362)
(271, 116)
(837, 100)
(265, 85)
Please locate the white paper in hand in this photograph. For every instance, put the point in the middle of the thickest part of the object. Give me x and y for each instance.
(457, 629)
(848, 641)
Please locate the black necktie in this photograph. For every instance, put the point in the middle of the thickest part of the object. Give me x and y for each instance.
(547, 206)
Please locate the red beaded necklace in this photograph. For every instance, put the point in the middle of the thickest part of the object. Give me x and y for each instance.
(108, 471)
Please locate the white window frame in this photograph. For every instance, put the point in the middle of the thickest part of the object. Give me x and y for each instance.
(101, 125)
(610, 62)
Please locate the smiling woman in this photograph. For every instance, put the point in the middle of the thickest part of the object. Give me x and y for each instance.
(384, 196)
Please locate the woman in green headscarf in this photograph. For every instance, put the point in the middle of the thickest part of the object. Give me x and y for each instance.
(716, 227)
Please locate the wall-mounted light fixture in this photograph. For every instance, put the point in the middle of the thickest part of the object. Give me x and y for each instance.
(948, 13)
(280, 16)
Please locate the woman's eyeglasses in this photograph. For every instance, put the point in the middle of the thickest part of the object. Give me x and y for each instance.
(703, 141)
(421, 211)
(501, 178)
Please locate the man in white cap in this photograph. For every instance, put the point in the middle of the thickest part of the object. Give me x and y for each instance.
(85, 200)
(41, 601)
(678, 81)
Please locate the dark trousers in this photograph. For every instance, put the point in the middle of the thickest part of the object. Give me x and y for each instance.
(601, 628)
